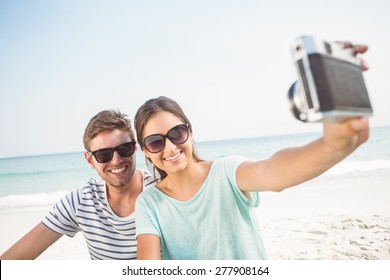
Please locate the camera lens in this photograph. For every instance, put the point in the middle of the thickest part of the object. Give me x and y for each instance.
(295, 101)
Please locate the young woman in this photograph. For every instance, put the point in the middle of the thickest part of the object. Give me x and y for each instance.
(203, 209)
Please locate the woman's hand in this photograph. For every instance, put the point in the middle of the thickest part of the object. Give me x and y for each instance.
(344, 137)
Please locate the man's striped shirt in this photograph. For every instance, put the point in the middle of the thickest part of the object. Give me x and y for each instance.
(86, 209)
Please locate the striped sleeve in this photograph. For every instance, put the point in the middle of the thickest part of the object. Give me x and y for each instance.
(62, 218)
(86, 209)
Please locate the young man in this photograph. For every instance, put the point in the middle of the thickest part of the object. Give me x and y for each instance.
(103, 210)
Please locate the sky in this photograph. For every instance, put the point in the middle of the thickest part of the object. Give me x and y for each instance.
(227, 63)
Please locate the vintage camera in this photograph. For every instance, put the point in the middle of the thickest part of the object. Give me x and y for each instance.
(330, 85)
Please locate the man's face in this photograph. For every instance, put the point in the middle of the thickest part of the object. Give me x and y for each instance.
(120, 170)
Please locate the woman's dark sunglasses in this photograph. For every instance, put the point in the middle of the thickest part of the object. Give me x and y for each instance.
(155, 143)
(106, 155)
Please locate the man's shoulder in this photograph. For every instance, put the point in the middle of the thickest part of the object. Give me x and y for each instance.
(148, 179)
(91, 186)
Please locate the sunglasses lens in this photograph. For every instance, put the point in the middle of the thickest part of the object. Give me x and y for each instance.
(154, 143)
(125, 150)
(178, 134)
(103, 156)
(106, 155)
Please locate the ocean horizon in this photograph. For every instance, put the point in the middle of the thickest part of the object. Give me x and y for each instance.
(39, 181)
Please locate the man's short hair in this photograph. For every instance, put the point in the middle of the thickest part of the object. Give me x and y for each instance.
(107, 120)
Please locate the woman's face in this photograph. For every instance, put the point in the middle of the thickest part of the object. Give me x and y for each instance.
(173, 157)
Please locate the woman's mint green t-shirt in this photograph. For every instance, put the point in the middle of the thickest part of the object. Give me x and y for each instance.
(217, 223)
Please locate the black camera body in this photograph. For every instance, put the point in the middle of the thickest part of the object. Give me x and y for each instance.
(330, 85)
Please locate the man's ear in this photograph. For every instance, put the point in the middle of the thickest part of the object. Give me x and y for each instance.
(89, 159)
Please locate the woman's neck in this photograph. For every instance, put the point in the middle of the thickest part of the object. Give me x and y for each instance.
(185, 184)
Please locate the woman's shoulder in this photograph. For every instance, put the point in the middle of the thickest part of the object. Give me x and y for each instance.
(234, 159)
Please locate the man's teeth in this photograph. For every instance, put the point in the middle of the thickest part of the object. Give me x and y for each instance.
(173, 157)
(119, 170)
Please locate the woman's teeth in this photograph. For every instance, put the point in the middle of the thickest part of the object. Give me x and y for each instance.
(173, 157)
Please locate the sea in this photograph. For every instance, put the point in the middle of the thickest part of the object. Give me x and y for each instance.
(39, 181)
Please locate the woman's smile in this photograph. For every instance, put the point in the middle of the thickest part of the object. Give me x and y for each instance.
(173, 157)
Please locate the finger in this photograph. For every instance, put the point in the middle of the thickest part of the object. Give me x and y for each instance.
(360, 48)
(363, 65)
(361, 128)
(359, 124)
(357, 48)
(347, 44)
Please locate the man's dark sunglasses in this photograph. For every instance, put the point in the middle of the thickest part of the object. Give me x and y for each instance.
(106, 155)
(155, 143)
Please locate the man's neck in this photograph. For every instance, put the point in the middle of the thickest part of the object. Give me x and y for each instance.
(122, 199)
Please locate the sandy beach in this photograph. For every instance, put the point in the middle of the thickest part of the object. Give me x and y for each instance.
(321, 220)
(344, 220)
(19, 223)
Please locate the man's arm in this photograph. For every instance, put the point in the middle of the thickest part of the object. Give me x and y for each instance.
(31, 245)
